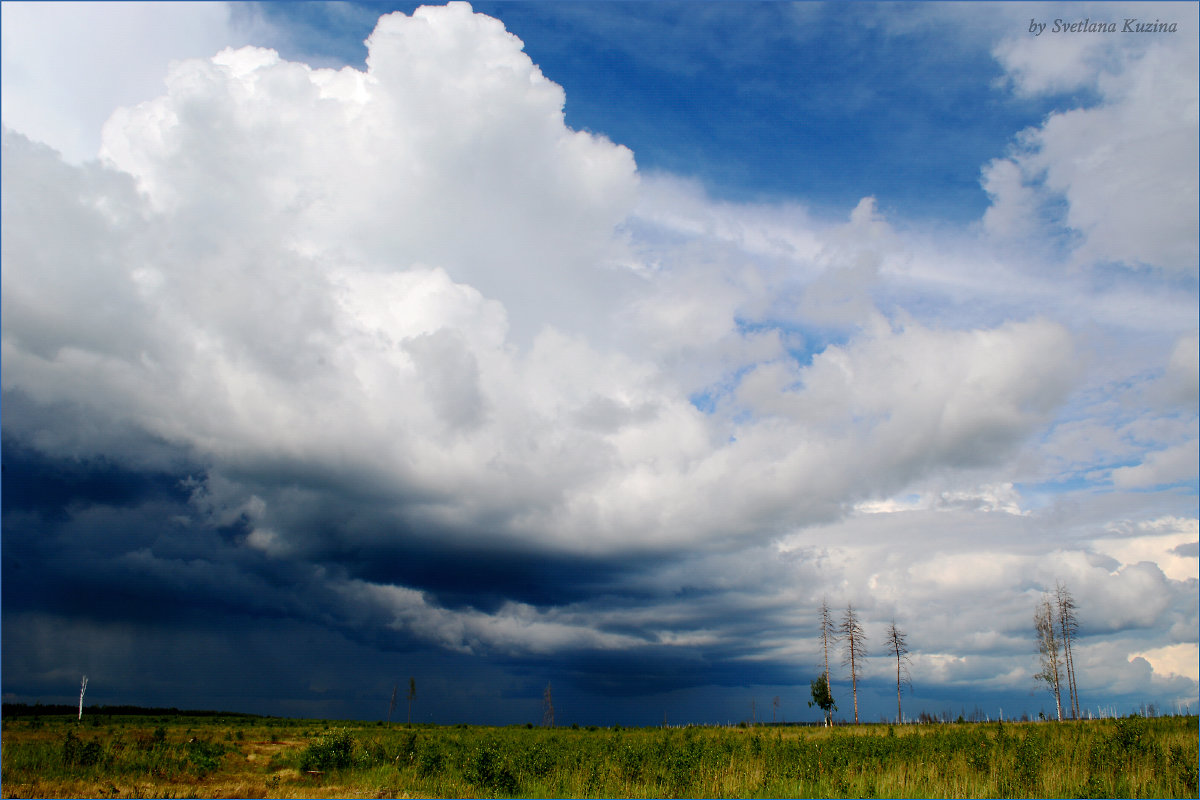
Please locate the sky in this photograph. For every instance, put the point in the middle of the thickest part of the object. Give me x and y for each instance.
(596, 345)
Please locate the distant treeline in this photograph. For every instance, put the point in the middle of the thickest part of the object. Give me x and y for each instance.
(53, 709)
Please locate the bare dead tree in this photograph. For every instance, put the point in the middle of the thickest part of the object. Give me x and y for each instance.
(547, 707)
(897, 645)
(392, 705)
(774, 707)
(1050, 661)
(828, 631)
(1068, 626)
(82, 689)
(851, 632)
(412, 695)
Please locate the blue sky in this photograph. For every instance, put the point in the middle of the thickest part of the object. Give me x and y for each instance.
(595, 343)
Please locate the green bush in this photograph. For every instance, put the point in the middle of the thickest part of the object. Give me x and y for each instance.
(408, 750)
(204, 756)
(333, 750)
(77, 753)
(538, 760)
(430, 760)
(1184, 767)
(487, 767)
(1129, 738)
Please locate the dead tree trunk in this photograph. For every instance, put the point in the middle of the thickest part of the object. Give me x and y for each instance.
(852, 634)
(1068, 627)
(1050, 658)
(547, 708)
(828, 637)
(82, 689)
(897, 642)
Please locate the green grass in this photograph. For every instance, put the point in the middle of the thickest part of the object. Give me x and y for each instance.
(177, 757)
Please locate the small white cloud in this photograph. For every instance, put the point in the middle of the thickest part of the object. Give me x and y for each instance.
(1157, 541)
(1161, 467)
(1181, 381)
(1174, 659)
(1049, 63)
(1002, 498)
(514, 628)
(1014, 203)
(1126, 167)
(268, 541)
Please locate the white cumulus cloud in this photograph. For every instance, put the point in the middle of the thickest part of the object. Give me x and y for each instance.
(1125, 167)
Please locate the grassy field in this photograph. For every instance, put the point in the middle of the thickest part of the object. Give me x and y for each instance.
(181, 756)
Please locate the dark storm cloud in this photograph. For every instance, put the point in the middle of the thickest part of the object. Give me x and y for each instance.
(139, 553)
(33, 483)
(481, 578)
(87, 540)
(661, 670)
(94, 539)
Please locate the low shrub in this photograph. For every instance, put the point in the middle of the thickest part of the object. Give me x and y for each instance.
(78, 753)
(487, 767)
(333, 750)
(203, 756)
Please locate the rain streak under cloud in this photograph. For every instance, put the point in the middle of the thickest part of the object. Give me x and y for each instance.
(317, 376)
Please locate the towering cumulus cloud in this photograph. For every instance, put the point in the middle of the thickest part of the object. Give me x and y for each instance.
(395, 356)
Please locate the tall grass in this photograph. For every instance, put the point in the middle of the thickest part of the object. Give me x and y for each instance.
(1131, 757)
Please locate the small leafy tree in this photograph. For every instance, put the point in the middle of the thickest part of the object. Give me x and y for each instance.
(822, 698)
